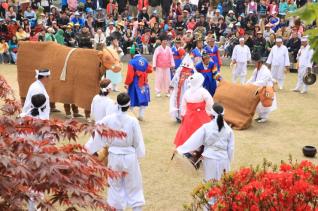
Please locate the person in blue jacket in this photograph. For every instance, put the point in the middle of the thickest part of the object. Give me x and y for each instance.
(137, 81)
(209, 70)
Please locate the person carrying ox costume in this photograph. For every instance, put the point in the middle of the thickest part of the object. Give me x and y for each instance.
(304, 57)
(209, 70)
(212, 49)
(123, 156)
(195, 109)
(240, 56)
(137, 81)
(262, 77)
(179, 85)
(38, 87)
(279, 60)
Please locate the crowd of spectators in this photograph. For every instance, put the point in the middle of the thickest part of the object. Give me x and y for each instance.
(92, 23)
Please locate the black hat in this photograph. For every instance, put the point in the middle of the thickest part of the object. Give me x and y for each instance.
(205, 54)
(163, 37)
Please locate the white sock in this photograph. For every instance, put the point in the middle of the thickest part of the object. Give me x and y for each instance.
(142, 111)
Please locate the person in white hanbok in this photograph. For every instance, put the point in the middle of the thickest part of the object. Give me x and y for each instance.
(240, 56)
(179, 84)
(217, 138)
(102, 105)
(37, 110)
(38, 87)
(262, 77)
(304, 57)
(279, 60)
(124, 154)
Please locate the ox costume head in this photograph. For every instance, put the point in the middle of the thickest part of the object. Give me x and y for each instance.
(110, 59)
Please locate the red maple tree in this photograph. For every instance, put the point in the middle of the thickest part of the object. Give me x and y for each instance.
(35, 164)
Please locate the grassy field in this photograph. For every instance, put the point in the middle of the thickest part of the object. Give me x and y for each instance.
(168, 184)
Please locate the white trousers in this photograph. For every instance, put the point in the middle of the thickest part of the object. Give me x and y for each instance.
(300, 83)
(141, 112)
(263, 112)
(126, 191)
(214, 169)
(278, 73)
(240, 71)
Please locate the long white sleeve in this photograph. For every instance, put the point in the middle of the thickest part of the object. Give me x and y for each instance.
(154, 58)
(230, 147)
(249, 56)
(194, 142)
(138, 140)
(208, 101)
(234, 54)
(286, 54)
(270, 57)
(175, 79)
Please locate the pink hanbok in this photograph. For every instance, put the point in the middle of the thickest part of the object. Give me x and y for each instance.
(163, 61)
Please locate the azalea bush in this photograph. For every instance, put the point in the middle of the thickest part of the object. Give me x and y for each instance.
(291, 186)
(35, 164)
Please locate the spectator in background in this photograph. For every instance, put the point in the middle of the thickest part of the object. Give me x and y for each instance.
(293, 46)
(230, 18)
(49, 36)
(13, 49)
(143, 15)
(59, 37)
(283, 8)
(4, 51)
(262, 8)
(10, 14)
(133, 8)
(69, 37)
(99, 39)
(110, 9)
(78, 19)
(165, 6)
(84, 38)
(251, 7)
(21, 34)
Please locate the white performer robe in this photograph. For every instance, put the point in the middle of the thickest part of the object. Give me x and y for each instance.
(174, 110)
(241, 54)
(278, 59)
(123, 156)
(218, 148)
(102, 106)
(263, 77)
(195, 96)
(305, 61)
(37, 88)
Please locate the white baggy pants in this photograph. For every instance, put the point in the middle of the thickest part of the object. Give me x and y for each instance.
(278, 73)
(240, 71)
(126, 191)
(301, 86)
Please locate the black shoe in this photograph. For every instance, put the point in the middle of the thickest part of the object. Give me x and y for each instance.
(178, 120)
(77, 115)
(54, 110)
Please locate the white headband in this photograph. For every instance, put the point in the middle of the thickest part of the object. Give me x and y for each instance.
(38, 73)
(123, 106)
(279, 40)
(241, 39)
(216, 114)
(106, 88)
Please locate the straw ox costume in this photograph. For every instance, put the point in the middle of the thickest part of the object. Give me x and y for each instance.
(75, 74)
